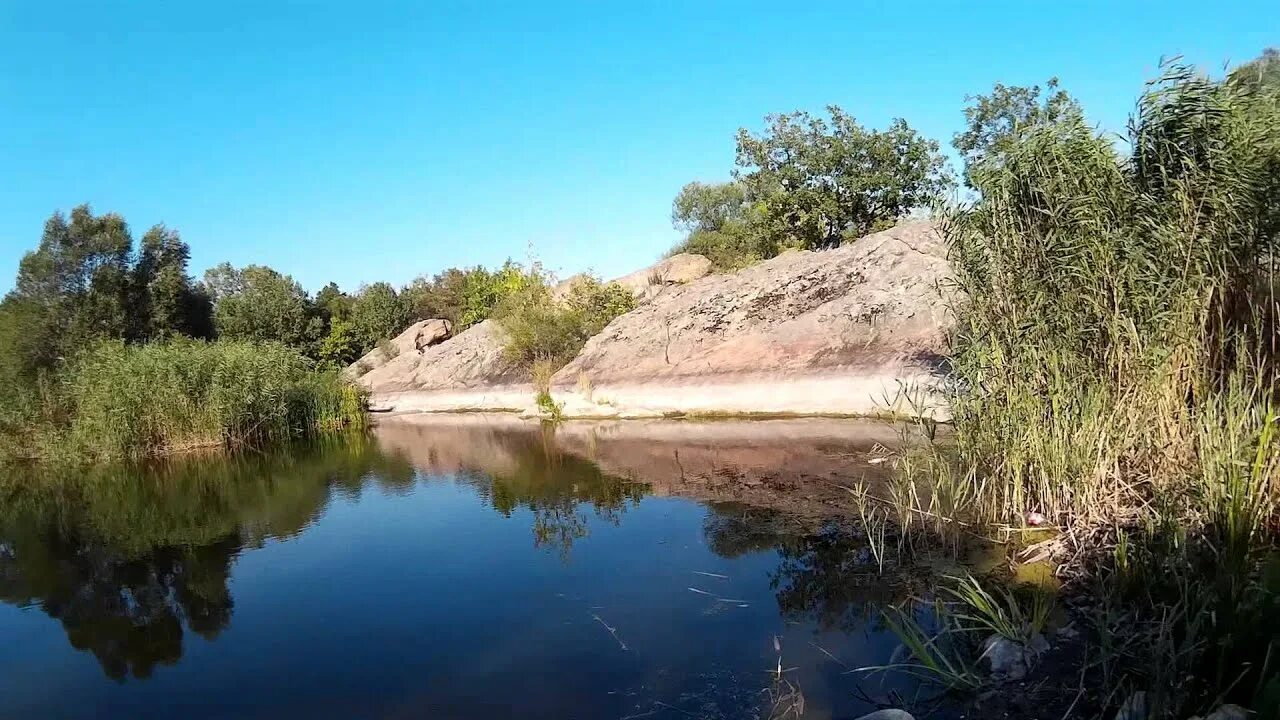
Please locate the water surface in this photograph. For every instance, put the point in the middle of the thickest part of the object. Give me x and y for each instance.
(455, 568)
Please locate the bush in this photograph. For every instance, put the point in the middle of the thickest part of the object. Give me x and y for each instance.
(540, 327)
(728, 249)
(484, 290)
(120, 401)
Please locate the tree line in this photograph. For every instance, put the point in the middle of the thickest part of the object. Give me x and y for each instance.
(88, 280)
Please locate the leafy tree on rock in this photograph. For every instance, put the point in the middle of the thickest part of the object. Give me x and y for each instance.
(720, 223)
(820, 183)
(483, 290)
(439, 297)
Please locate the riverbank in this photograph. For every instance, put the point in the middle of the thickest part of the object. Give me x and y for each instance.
(890, 392)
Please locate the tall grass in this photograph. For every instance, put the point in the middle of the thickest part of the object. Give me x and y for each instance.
(1115, 358)
(118, 401)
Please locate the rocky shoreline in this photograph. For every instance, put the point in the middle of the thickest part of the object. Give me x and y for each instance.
(856, 331)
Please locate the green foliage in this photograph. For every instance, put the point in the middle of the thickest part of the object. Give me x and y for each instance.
(440, 297)
(553, 410)
(259, 304)
(1262, 74)
(818, 184)
(378, 314)
(1115, 362)
(82, 284)
(483, 290)
(721, 224)
(999, 610)
(334, 303)
(341, 346)
(129, 401)
(994, 121)
(539, 326)
(166, 302)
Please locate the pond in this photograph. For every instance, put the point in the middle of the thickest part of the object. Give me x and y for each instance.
(461, 567)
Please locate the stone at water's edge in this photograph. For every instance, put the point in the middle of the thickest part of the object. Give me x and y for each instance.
(858, 330)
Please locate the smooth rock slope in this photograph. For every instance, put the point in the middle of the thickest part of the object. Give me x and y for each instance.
(857, 330)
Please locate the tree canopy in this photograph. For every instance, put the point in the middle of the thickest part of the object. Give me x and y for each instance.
(993, 122)
(821, 182)
(258, 303)
(84, 282)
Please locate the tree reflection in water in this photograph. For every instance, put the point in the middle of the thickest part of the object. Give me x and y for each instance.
(826, 571)
(130, 559)
(126, 559)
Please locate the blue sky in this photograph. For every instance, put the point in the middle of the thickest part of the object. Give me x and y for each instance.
(371, 141)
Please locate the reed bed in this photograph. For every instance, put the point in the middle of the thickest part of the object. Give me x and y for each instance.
(117, 401)
(1115, 372)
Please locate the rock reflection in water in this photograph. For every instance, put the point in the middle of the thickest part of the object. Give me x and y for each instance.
(775, 485)
(131, 562)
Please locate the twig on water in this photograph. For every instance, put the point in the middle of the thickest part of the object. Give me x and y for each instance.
(612, 631)
(823, 650)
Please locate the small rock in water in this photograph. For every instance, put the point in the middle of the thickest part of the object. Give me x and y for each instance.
(1009, 659)
(888, 714)
(1229, 712)
(1134, 707)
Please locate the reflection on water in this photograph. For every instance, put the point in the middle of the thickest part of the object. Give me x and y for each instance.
(692, 545)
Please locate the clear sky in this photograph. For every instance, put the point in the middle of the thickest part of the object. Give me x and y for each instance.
(364, 141)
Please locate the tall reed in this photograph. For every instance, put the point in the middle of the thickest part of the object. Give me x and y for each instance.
(1115, 356)
(127, 401)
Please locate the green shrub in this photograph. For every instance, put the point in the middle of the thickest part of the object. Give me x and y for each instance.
(484, 290)
(540, 327)
(728, 249)
(121, 401)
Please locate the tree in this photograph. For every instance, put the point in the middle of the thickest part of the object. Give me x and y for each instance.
(73, 287)
(377, 314)
(166, 301)
(260, 304)
(439, 297)
(709, 206)
(540, 326)
(1261, 73)
(341, 346)
(483, 290)
(993, 122)
(721, 224)
(334, 303)
(819, 184)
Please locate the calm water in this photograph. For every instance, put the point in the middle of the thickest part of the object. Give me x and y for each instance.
(465, 568)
